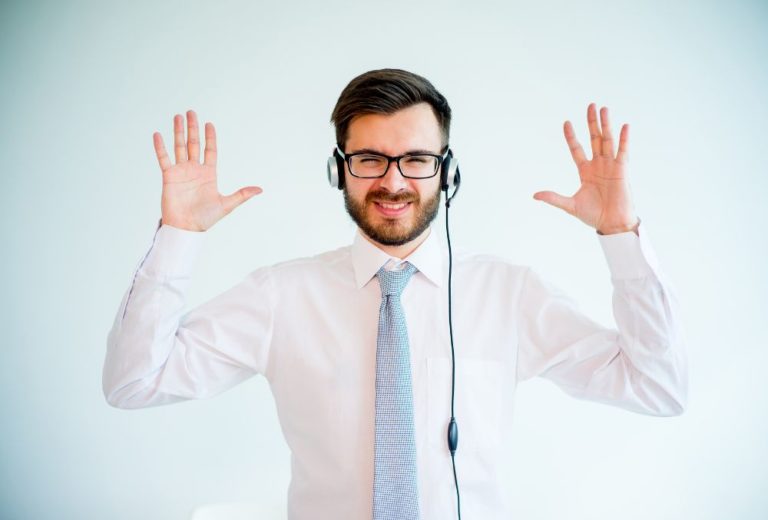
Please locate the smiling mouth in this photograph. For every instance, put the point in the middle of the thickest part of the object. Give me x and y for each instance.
(392, 209)
(397, 206)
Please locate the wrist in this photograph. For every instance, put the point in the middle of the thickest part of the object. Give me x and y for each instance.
(620, 229)
(181, 225)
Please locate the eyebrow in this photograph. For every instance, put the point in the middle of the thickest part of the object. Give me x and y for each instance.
(409, 152)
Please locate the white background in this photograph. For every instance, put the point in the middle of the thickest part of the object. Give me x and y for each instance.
(84, 86)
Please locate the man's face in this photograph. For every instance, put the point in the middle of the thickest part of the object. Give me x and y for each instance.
(393, 210)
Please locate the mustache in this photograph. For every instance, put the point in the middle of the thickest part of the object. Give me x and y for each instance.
(391, 198)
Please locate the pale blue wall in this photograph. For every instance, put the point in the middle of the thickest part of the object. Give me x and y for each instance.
(84, 86)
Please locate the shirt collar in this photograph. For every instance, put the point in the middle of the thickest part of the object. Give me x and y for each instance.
(367, 259)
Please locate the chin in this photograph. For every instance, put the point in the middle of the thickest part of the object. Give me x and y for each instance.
(391, 231)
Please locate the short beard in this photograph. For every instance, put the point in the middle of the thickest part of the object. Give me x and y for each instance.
(390, 233)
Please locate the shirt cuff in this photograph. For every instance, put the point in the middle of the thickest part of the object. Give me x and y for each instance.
(630, 255)
(173, 253)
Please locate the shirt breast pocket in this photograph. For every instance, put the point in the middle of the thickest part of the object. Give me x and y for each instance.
(478, 403)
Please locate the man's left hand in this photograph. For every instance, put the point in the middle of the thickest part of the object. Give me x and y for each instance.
(603, 201)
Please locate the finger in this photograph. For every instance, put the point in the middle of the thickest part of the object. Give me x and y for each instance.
(162, 155)
(623, 154)
(210, 145)
(179, 147)
(594, 131)
(605, 125)
(567, 204)
(577, 152)
(193, 139)
(230, 202)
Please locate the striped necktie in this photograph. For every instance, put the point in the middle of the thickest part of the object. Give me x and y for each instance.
(395, 491)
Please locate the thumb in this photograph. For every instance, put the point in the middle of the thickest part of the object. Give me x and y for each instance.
(230, 202)
(566, 204)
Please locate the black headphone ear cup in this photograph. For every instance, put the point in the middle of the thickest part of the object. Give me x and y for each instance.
(449, 172)
(339, 168)
(444, 169)
(335, 169)
(457, 178)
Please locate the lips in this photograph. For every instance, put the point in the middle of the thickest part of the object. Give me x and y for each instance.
(392, 209)
(392, 206)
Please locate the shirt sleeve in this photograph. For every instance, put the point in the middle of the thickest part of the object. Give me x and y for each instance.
(641, 367)
(157, 355)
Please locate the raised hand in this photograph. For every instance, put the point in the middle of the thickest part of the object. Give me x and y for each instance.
(603, 201)
(191, 199)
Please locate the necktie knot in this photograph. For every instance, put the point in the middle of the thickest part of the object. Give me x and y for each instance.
(393, 282)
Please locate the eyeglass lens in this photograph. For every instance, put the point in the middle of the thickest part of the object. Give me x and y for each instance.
(370, 165)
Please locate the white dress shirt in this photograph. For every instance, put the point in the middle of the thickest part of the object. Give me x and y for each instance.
(310, 326)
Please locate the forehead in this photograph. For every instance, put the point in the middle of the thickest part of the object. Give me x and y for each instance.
(412, 128)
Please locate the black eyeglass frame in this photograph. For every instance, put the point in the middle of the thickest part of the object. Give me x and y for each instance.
(440, 158)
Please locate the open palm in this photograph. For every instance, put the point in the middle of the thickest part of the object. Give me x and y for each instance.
(191, 198)
(603, 200)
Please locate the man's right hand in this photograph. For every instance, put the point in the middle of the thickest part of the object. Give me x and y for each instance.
(191, 199)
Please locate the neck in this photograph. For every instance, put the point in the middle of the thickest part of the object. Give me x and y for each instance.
(402, 251)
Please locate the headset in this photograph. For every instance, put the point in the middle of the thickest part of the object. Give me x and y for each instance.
(450, 179)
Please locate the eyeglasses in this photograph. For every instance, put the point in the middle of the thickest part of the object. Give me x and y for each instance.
(369, 165)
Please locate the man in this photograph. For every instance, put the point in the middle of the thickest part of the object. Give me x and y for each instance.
(359, 364)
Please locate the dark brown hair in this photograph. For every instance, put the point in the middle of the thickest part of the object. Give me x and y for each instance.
(385, 91)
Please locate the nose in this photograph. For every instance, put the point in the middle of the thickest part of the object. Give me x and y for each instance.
(393, 180)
